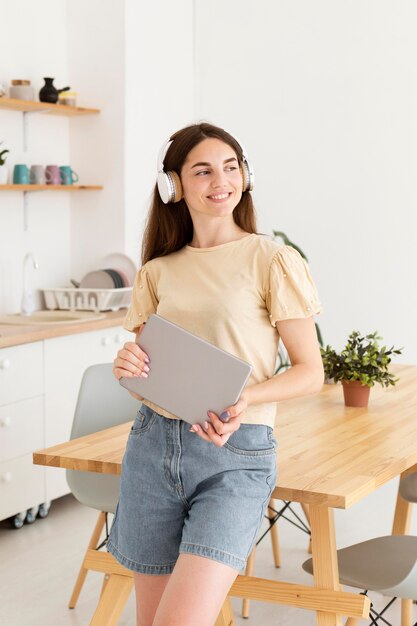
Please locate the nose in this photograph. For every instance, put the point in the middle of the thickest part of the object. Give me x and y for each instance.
(219, 178)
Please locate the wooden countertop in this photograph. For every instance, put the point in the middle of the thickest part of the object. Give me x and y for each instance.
(16, 334)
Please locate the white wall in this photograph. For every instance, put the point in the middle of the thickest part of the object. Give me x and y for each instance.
(138, 69)
(324, 95)
(33, 41)
(96, 44)
(159, 97)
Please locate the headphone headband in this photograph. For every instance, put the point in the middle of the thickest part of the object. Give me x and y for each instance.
(161, 155)
(169, 183)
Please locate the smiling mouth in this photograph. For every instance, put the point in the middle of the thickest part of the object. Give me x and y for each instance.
(219, 197)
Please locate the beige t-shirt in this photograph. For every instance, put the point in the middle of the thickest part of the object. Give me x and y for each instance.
(230, 295)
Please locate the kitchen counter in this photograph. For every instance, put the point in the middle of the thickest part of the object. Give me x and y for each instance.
(16, 334)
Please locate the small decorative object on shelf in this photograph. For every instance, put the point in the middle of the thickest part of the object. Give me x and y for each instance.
(68, 97)
(4, 171)
(49, 93)
(361, 364)
(21, 90)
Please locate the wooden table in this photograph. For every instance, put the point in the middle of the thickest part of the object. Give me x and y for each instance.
(330, 456)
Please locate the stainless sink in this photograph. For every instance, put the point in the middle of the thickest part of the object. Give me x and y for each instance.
(51, 317)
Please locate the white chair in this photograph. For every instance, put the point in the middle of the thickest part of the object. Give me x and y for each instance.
(101, 403)
(387, 565)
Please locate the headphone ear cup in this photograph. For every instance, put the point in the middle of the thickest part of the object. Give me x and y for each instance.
(247, 175)
(244, 170)
(176, 186)
(169, 187)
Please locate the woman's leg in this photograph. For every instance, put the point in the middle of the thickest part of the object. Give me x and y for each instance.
(149, 590)
(195, 592)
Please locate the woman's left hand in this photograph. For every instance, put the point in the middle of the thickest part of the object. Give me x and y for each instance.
(219, 430)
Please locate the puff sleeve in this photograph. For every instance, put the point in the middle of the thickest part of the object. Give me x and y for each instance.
(144, 300)
(291, 293)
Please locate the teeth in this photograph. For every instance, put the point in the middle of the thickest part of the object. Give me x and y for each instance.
(220, 196)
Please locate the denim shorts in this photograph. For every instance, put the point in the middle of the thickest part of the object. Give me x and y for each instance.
(181, 494)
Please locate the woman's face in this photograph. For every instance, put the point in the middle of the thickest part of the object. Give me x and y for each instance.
(211, 179)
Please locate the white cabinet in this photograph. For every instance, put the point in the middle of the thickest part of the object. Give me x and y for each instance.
(21, 372)
(39, 385)
(66, 359)
(21, 428)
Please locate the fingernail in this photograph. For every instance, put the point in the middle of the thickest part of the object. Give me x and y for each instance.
(193, 429)
(145, 368)
(144, 375)
(205, 424)
(147, 359)
(224, 416)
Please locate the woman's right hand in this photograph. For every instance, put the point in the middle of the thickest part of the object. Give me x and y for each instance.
(131, 361)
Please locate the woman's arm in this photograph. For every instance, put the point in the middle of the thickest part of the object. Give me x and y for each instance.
(306, 373)
(304, 377)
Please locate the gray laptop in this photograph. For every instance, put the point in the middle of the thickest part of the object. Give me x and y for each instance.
(188, 375)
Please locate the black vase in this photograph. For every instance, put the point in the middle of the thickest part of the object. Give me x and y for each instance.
(49, 93)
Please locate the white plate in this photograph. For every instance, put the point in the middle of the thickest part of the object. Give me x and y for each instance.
(97, 280)
(122, 262)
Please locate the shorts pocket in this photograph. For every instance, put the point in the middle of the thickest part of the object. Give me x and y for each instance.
(252, 440)
(144, 421)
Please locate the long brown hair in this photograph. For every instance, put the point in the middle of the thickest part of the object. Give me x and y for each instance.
(169, 226)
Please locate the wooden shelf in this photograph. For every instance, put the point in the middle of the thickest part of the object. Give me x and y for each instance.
(25, 106)
(50, 187)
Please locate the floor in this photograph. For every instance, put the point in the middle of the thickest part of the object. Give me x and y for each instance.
(36, 586)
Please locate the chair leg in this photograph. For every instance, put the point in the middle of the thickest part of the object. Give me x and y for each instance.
(248, 572)
(83, 571)
(406, 612)
(274, 538)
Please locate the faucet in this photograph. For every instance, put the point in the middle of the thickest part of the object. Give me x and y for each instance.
(28, 306)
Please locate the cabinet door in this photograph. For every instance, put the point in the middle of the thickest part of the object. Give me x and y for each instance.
(21, 372)
(66, 359)
(21, 428)
(22, 485)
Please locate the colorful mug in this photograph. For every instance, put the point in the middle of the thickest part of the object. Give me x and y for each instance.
(38, 175)
(21, 174)
(53, 175)
(68, 176)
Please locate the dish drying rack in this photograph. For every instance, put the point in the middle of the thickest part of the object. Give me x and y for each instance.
(73, 299)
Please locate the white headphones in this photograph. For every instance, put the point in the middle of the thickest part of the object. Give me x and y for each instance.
(169, 183)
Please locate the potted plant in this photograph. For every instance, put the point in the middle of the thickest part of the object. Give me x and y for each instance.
(3, 167)
(362, 363)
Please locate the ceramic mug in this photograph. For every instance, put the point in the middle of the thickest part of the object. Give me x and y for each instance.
(53, 175)
(68, 176)
(21, 174)
(38, 175)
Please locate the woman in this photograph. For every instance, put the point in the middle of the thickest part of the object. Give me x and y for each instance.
(192, 499)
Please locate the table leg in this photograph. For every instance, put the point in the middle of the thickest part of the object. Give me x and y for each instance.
(225, 617)
(401, 526)
(307, 516)
(402, 517)
(326, 571)
(112, 601)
